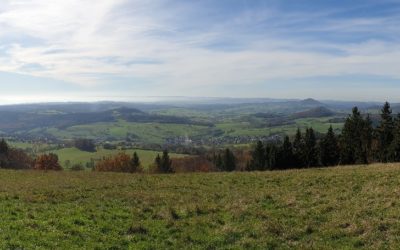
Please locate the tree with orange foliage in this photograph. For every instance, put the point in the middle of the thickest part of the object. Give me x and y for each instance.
(118, 163)
(192, 164)
(47, 162)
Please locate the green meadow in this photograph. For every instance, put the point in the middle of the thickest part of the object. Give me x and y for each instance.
(332, 208)
(114, 131)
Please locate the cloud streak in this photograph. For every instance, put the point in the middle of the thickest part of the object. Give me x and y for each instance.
(180, 46)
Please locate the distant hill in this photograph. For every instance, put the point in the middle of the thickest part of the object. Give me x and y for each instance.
(311, 102)
(314, 113)
(13, 121)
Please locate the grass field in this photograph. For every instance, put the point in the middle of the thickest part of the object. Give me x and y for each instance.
(75, 155)
(148, 132)
(247, 128)
(336, 208)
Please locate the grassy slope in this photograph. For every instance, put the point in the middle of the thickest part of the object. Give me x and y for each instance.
(157, 132)
(247, 129)
(333, 208)
(148, 132)
(75, 155)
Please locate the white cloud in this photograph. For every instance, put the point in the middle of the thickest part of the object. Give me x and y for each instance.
(78, 41)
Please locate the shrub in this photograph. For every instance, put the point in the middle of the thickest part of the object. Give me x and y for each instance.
(47, 162)
(121, 162)
(11, 158)
(18, 159)
(192, 164)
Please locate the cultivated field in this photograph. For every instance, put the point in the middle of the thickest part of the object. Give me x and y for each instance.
(336, 208)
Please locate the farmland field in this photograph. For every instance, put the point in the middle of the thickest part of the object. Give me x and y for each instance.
(144, 124)
(149, 132)
(334, 208)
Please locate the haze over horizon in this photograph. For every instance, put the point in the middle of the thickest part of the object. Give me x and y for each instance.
(81, 50)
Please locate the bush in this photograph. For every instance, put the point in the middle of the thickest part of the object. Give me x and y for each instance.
(192, 164)
(117, 163)
(18, 159)
(47, 162)
(11, 158)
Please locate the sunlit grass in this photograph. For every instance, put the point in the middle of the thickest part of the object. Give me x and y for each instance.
(336, 208)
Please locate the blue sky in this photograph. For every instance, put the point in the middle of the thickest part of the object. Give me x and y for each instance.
(124, 49)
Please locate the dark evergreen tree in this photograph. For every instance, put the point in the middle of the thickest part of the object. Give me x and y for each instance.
(166, 163)
(329, 149)
(157, 162)
(258, 158)
(310, 149)
(285, 154)
(356, 131)
(228, 160)
(366, 140)
(135, 162)
(271, 154)
(298, 150)
(395, 145)
(4, 149)
(218, 162)
(385, 133)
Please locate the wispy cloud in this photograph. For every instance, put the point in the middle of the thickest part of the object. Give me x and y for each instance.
(180, 46)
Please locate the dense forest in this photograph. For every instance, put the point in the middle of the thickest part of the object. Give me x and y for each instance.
(358, 143)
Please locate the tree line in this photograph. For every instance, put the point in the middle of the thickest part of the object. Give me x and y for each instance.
(358, 143)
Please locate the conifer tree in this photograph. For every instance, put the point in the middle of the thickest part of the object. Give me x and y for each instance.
(135, 162)
(258, 158)
(166, 163)
(353, 136)
(271, 152)
(385, 133)
(285, 155)
(229, 160)
(157, 160)
(310, 149)
(366, 140)
(395, 145)
(218, 162)
(329, 149)
(3, 153)
(298, 149)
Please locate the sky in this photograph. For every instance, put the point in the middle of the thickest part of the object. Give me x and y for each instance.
(127, 49)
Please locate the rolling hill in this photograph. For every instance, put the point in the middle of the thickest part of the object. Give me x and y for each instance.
(205, 121)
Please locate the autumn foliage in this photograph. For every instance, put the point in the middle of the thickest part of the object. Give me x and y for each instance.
(47, 162)
(121, 162)
(192, 164)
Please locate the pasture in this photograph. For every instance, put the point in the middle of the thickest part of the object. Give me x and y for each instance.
(333, 208)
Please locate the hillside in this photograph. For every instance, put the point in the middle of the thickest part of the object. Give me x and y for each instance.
(335, 208)
(202, 122)
(314, 113)
(205, 122)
